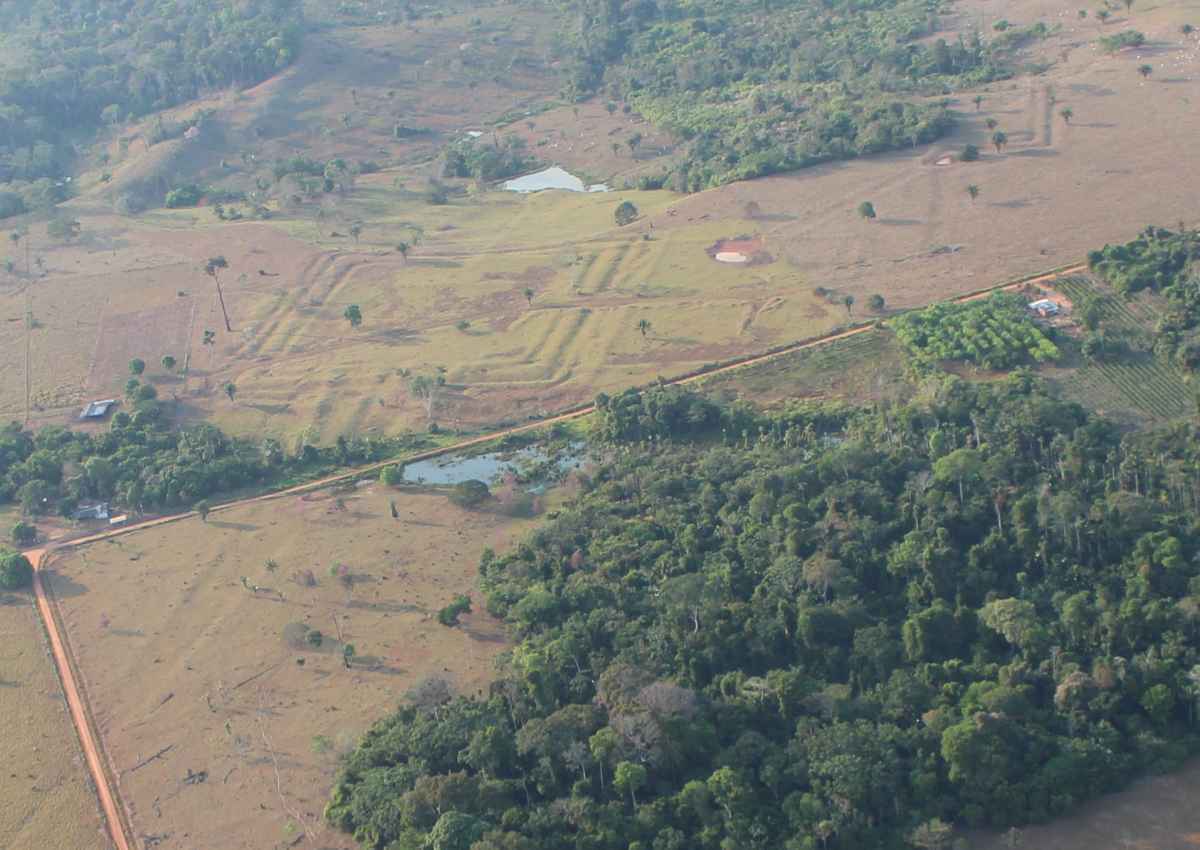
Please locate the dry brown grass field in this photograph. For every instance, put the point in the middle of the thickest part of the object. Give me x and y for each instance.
(47, 794)
(135, 286)
(189, 642)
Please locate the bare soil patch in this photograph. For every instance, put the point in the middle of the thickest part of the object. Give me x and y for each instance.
(743, 250)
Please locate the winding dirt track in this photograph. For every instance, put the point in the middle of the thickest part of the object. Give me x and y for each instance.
(115, 813)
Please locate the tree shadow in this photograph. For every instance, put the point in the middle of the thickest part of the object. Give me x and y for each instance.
(1096, 125)
(60, 586)
(1038, 152)
(1014, 204)
(899, 222)
(236, 526)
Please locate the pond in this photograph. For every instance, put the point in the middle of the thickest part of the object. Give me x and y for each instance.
(551, 178)
(488, 467)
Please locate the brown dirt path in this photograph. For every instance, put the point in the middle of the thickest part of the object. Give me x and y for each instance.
(80, 714)
(88, 740)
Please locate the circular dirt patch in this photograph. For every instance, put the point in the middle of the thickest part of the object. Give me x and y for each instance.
(743, 250)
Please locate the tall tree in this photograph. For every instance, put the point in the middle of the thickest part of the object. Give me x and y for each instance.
(212, 269)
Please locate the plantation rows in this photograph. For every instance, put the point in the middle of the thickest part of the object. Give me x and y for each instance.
(1137, 379)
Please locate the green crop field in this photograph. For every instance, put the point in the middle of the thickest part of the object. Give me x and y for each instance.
(863, 366)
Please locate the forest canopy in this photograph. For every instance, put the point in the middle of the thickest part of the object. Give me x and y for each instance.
(837, 630)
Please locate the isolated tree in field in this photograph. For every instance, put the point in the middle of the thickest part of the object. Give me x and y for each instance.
(611, 107)
(848, 301)
(168, 363)
(876, 303)
(1145, 71)
(1128, 6)
(978, 101)
(991, 123)
(211, 268)
(353, 315)
(425, 389)
(356, 231)
(1103, 15)
(528, 293)
(230, 389)
(634, 141)
(626, 213)
(999, 140)
(202, 509)
(973, 191)
(616, 148)
(1066, 113)
(348, 653)
(643, 325)
(403, 248)
(15, 570)
(137, 366)
(866, 210)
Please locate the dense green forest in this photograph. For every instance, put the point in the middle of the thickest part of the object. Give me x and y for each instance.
(143, 463)
(995, 333)
(781, 84)
(75, 65)
(1164, 262)
(825, 629)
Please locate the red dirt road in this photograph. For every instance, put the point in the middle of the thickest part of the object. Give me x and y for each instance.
(80, 715)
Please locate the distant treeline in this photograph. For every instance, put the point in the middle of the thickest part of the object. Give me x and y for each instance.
(756, 88)
(82, 64)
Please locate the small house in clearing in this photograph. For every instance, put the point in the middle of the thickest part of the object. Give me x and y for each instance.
(1045, 308)
(98, 409)
(91, 510)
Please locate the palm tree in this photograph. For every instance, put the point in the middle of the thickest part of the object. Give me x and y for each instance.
(991, 123)
(849, 302)
(643, 325)
(1066, 113)
(211, 268)
(978, 101)
(403, 248)
(356, 231)
(529, 295)
(867, 210)
(1145, 71)
(999, 139)
(230, 389)
(1128, 6)
(1103, 15)
(973, 191)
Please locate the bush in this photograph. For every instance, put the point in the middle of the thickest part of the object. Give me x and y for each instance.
(23, 534)
(469, 494)
(626, 213)
(314, 639)
(15, 570)
(970, 153)
(184, 196)
(449, 615)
